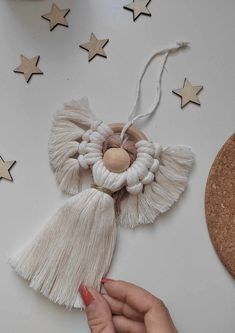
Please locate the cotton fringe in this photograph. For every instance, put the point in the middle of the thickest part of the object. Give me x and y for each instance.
(75, 247)
(69, 124)
(171, 179)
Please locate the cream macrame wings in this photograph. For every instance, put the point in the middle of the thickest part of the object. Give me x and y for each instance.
(170, 181)
(68, 127)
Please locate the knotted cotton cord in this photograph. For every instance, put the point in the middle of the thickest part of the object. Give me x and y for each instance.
(114, 141)
(133, 117)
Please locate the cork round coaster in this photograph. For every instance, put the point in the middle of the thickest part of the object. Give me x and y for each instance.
(220, 204)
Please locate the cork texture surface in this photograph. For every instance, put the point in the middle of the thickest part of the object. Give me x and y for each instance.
(220, 204)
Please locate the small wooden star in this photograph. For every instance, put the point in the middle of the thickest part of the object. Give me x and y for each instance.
(5, 167)
(28, 67)
(138, 7)
(188, 93)
(95, 47)
(56, 17)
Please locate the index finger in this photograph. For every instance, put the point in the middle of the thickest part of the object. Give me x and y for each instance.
(137, 297)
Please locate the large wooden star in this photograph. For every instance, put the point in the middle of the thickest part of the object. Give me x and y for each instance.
(56, 17)
(5, 167)
(28, 67)
(95, 47)
(138, 7)
(188, 93)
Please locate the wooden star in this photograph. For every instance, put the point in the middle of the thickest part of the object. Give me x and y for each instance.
(56, 17)
(28, 67)
(5, 167)
(138, 7)
(95, 47)
(188, 93)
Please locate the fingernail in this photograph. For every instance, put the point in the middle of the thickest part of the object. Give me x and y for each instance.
(86, 295)
(105, 280)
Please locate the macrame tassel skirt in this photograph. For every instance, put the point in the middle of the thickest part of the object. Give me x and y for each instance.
(75, 247)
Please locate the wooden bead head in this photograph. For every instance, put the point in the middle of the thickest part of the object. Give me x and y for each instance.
(116, 160)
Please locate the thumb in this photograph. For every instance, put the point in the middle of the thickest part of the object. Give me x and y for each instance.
(98, 313)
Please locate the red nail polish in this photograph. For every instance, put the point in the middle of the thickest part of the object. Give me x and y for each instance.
(86, 295)
(105, 280)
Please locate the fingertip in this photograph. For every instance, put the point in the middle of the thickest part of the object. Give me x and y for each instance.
(117, 284)
(86, 294)
(106, 280)
(137, 297)
(95, 294)
(97, 309)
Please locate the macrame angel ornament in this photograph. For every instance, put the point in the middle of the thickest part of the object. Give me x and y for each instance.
(134, 180)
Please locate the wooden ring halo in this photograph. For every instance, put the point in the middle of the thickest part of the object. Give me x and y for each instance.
(117, 159)
(132, 131)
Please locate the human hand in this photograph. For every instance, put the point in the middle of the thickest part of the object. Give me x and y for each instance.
(125, 308)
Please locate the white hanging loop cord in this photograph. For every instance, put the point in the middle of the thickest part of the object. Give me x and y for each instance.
(133, 117)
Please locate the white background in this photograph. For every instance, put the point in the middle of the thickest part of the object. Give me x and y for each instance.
(174, 259)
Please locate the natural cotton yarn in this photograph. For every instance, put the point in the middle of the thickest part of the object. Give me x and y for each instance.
(75, 247)
(133, 182)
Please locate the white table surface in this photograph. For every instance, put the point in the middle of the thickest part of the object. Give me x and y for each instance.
(174, 259)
